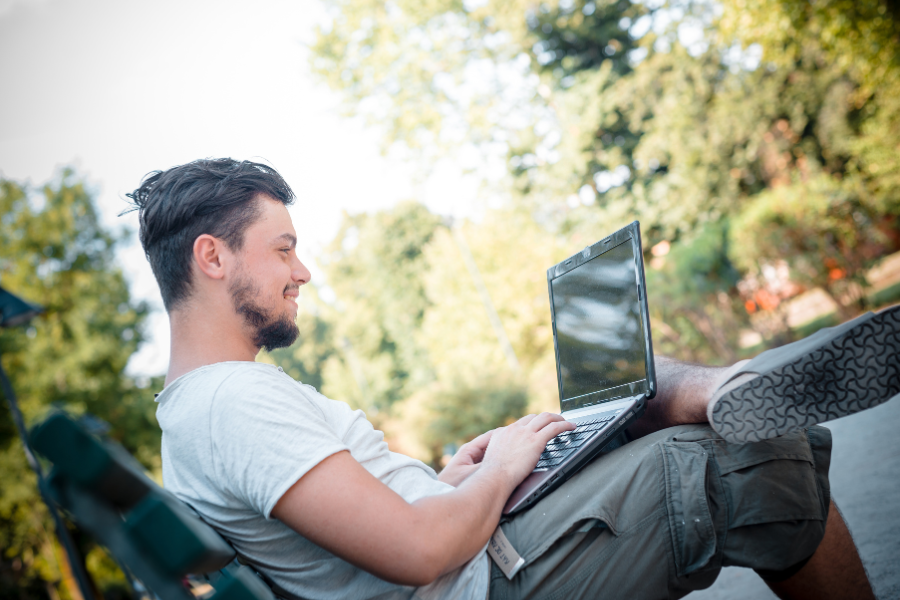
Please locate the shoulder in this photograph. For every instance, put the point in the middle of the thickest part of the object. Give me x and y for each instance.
(246, 379)
(211, 378)
(258, 385)
(237, 390)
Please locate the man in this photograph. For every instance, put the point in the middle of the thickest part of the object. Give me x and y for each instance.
(307, 491)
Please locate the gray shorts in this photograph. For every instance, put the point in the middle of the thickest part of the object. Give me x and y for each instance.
(659, 517)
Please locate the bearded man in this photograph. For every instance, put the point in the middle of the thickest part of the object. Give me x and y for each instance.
(307, 491)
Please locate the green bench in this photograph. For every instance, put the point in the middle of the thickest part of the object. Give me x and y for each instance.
(157, 539)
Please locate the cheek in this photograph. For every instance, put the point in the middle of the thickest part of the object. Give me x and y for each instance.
(276, 274)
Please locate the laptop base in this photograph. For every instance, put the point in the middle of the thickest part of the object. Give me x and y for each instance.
(542, 482)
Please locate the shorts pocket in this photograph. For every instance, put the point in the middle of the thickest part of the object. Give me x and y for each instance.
(769, 481)
(734, 457)
(690, 522)
(536, 531)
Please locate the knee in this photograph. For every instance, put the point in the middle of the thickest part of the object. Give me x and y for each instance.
(761, 505)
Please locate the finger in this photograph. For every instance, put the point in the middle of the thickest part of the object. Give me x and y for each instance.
(526, 419)
(475, 448)
(482, 440)
(554, 429)
(543, 419)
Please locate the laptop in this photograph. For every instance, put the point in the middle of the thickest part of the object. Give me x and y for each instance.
(604, 356)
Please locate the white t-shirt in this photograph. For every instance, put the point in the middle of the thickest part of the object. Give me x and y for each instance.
(237, 435)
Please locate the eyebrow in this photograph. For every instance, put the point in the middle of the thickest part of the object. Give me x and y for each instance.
(287, 237)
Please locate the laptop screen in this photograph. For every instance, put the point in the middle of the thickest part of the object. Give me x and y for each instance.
(599, 330)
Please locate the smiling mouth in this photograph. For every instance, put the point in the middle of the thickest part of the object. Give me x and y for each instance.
(291, 293)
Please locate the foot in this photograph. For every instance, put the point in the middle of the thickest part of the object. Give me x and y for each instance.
(835, 372)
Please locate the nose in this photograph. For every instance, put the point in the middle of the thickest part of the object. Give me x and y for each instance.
(299, 273)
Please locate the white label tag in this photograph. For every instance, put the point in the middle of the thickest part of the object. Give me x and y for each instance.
(504, 554)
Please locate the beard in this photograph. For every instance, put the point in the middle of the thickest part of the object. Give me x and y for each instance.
(270, 331)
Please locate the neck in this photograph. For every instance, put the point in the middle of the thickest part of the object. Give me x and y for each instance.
(201, 337)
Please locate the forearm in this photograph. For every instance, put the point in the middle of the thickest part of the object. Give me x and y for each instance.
(488, 469)
(458, 524)
(415, 543)
(344, 509)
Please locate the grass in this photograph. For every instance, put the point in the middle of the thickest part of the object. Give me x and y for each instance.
(886, 296)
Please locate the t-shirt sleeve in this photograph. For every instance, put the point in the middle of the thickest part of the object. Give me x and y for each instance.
(266, 434)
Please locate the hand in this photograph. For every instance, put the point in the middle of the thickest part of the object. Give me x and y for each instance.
(515, 449)
(466, 460)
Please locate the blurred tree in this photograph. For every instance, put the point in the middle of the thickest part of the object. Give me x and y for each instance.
(54, 251)
(858, 37)
(316, 345)
(402, 64)
(679, 115)
(825, 234)
(364, 347)
(444, 415)
(510, 251)
(407, 336)
(710, 125)
(836, 222)
(476, 388)
(706, 330)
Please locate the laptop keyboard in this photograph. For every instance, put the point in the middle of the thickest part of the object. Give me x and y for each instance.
(567, 442)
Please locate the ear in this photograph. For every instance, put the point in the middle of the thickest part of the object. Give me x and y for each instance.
(208, 256)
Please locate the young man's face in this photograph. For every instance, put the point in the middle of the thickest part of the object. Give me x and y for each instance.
(267, 279)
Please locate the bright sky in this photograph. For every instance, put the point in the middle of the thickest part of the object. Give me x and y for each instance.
(122, 88)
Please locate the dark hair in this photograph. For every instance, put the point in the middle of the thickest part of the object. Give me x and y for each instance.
(215, 196)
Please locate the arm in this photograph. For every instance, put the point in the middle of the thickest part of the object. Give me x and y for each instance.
(341, 507)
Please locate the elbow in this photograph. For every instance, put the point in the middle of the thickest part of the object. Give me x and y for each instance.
(420, 579)
(427, 546)
(423, 565)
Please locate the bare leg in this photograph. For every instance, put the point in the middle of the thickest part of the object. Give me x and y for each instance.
(834, 571)
(684, 391)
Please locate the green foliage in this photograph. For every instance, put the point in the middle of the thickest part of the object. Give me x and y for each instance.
(487, 404)
(579, 36)
(510, 251)
(408, 338)
(705, 330)
(316, 345)
(857, 37)
(364, 348)
(406, 59)
(54, 251)
(450, 413)
(824, 232)
(612, 118)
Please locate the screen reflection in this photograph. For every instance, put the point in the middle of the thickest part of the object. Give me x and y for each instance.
(599, 332)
